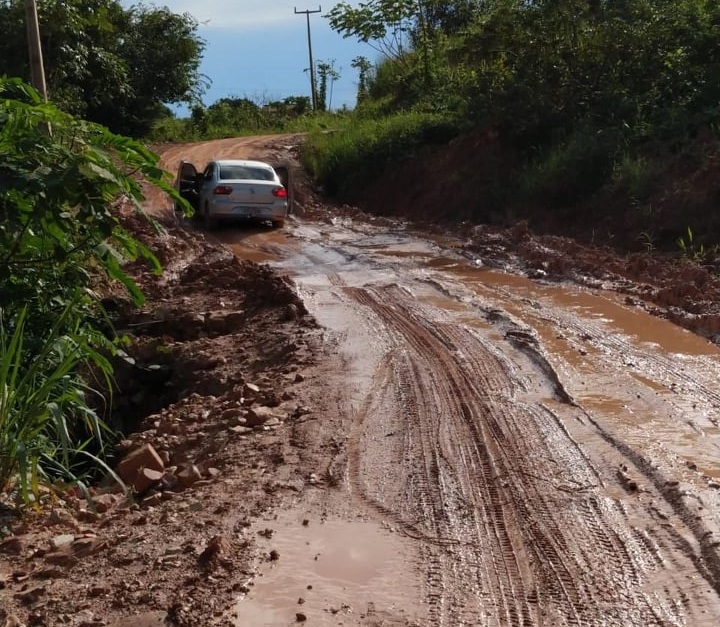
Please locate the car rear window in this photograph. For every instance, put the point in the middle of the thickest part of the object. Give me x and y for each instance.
(245, 172)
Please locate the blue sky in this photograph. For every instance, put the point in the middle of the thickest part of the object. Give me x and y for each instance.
(257, 49)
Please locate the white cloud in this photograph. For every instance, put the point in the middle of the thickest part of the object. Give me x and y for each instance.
(238, 14)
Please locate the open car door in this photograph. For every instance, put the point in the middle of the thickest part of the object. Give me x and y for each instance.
(186, 184)
(285, 174)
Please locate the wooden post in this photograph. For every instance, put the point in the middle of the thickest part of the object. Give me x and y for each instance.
(312, 66)
(37, 71)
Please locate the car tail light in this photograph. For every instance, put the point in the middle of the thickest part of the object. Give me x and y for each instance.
(223, 190)
(279, 192)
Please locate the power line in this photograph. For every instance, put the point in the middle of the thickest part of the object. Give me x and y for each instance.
(313, 93)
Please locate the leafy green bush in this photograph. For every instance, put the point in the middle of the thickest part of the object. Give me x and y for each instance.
(568, 170)
(59, 181)
(637, 175)
(235, 117)
(173, 130)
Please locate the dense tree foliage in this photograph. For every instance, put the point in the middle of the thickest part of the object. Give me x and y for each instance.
(327, 75)
(106, 63)
(572, 86)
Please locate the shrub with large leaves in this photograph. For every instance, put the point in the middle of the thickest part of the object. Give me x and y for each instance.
(59, 179)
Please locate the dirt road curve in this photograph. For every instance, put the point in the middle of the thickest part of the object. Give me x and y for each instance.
(511, 452)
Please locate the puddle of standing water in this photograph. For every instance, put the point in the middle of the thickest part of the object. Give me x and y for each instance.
(331, 571)
(252, 243)
(599, 306)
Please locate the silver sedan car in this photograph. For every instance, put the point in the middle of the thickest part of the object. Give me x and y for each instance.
(234, 189)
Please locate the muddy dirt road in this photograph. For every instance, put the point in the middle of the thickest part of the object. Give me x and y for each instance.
(510, 452)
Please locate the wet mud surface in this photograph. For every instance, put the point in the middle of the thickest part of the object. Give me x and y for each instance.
(474, 427)
(551, 449)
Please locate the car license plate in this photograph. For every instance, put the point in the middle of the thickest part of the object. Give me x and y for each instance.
(243, 211)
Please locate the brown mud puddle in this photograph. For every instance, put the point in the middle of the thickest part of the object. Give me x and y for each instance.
(328, 570)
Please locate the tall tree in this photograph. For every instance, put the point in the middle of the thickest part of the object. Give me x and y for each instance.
(109, 64)
(327, 75)
(363, 66)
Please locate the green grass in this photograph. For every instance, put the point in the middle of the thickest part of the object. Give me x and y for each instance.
(185, 130)
(47, 426)
(352, 155)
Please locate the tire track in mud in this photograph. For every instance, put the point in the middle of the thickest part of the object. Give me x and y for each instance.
(515, 524)
(698, 542)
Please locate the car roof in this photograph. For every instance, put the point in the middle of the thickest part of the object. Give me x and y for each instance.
(247, 162)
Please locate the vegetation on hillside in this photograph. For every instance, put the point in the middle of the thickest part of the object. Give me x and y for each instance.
(233, 117)
(583, 96)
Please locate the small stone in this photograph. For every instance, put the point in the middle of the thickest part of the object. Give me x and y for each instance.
(258, 416)
(49, 573)
(240, 430)
(132, 467)
(30, 597)
(85, 515)
(62, 518)
(123, 446)
(83, 547)
(274, 555)
(187, 475)
(60, 541)
(232, 414)
(300, 617)
(235, 320)
(215, 546)
(103, 502)
(152, 500)
(61, 558)
(98, 591)
(250, 390)
(147, 479)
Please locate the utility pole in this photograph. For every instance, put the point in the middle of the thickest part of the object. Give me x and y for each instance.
(312, 65)
(37, 71)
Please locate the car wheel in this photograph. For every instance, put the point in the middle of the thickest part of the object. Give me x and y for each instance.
(278, 224)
